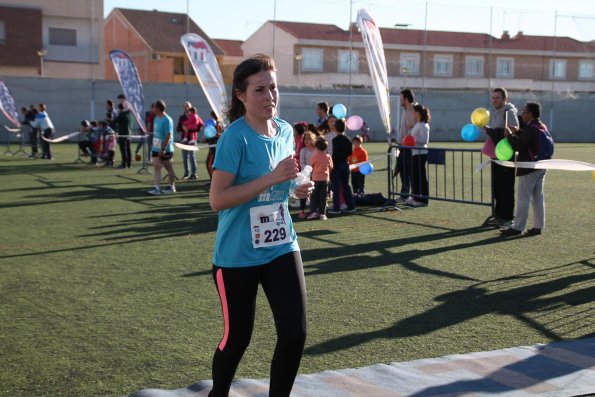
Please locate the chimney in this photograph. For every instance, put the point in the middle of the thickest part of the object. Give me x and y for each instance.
(519, 35)
(505, 35)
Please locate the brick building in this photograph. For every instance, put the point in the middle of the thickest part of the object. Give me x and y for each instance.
(152, 39)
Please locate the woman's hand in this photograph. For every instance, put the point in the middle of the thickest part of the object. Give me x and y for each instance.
(286, 169)
(304, 191)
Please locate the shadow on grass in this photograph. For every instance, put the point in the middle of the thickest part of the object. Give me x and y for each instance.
(517, 296)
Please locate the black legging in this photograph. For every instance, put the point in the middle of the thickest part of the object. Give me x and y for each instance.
(283, 283)
(124, 144)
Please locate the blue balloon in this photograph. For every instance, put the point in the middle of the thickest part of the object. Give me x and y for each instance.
(211, 122)
(366, 168)
(339, 111)
(210, 131)
(470, 132)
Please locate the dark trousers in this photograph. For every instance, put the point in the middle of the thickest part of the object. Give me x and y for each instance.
(89, 148)
(318, 197)
(45, 145)
(340, 183)
(357, 182)
(419, 179)
(503, 189)
(284, 286)
(33, 139)
(209, 162)
(124, 145)
(404, 168)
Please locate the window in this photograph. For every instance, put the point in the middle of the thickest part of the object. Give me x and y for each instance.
(409, 64)
(442, 65)
(558, 69)
(473, 66)
(312, 59)
(505, 67)
(2, 32)
(59, 36)
(348, 61)
(586, 70)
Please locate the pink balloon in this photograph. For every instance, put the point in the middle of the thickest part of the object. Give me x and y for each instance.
(354, 123)
(489, 149)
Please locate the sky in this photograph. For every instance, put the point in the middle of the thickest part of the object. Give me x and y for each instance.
(238, 19)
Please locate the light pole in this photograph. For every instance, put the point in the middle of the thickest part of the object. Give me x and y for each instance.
(298, 58)
(42, 53)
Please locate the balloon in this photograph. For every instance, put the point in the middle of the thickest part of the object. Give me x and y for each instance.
(489, 149)
(593, 175)
(210, 122)
(470, 132)
(366, 168)
(137, 157)
(409, 140)
(339, 111)
(210, 131)
(480, 117)
(504, 151)
(354, 123)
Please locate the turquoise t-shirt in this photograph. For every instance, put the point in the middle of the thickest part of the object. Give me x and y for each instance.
(163, 126)
(260, 230)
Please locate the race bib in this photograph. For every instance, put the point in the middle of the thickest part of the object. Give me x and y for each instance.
(269, 225)
(157, 142)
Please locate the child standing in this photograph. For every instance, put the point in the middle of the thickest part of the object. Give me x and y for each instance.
(359, 155)
(340, 175)
(306, 154)
(109, 142)
(322, 164)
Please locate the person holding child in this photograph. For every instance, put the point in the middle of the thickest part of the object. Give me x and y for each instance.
(306, 154)
(190, 128)
(359, 155)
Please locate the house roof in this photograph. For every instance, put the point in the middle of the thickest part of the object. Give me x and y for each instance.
(313, 31)
(232, 48)
(162, 30)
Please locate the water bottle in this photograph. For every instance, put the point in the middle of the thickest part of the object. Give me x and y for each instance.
(302, 177)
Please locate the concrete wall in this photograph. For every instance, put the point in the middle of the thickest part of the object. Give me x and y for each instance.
(70, 101)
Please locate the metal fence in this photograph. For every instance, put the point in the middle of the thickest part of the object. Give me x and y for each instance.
(451, 175)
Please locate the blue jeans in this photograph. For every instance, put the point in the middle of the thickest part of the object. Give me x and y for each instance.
(340, 182)
(189, 161)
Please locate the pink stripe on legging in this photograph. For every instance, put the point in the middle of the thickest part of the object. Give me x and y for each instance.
(223, 297)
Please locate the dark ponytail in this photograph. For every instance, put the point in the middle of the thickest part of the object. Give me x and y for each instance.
(423, 112)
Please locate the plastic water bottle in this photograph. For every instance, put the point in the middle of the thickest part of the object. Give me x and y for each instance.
(302, 177)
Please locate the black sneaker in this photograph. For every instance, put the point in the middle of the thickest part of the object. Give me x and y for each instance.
(533, 232)
(509, 232)
(193, 177)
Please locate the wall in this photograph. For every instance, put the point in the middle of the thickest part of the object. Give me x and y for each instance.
(70, 101)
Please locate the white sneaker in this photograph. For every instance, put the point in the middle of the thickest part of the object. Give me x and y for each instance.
(401, 199)
(169, 190)
(154, 192)
(416, 203)
(410, 200)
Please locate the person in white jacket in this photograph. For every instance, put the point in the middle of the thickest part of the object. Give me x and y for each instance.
(45, 125)
(419, 179)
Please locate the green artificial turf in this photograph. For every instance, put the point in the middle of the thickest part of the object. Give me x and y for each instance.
(105, 290)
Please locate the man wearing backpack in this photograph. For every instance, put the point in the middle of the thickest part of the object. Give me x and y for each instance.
(533, 142)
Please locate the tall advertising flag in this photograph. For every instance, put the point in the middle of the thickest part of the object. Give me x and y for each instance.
(376, 62)
(131, 84)
(8, 106)
(207, 71)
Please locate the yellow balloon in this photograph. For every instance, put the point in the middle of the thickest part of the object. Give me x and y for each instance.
(593, 175)
(480, 117)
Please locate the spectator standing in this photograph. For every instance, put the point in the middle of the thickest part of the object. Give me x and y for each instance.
(306, 154)
(504, 116)
(322, 109)
(340, 174)
(212, 148)
(322, 164)
(124, 125)
(190, 128)
(44, 124)
(419, 157)
(530, 188)
(405, 127)
(359, 155)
